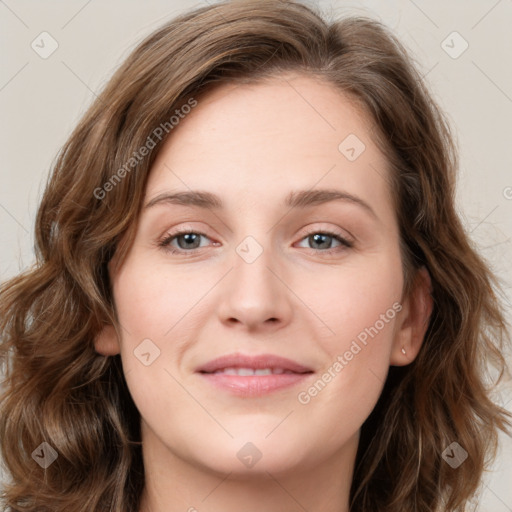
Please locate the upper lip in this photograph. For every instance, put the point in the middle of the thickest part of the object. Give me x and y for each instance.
(261, 361)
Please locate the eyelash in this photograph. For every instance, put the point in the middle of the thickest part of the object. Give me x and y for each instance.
(166, 241)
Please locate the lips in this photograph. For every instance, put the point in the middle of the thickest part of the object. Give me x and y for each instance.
(240, 362)
(253, 376)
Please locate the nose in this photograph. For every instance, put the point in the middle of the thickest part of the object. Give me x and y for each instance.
(255, 295)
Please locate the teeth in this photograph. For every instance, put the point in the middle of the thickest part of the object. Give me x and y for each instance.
(250, 371)
(246, 371)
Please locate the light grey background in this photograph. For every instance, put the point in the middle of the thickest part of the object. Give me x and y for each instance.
(41, 100)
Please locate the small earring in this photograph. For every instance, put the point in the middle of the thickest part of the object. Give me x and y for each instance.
(403, 351)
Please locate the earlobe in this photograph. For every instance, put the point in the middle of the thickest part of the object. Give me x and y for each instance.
(413, 321)
(107, 342)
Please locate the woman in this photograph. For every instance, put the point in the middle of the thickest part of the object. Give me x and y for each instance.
(253, 368)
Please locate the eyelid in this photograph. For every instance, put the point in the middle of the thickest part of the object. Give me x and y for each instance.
(342, 233)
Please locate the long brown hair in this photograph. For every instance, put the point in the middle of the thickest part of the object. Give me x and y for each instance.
(59, 390)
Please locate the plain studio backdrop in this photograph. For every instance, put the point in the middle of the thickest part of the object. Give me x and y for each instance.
(461, 47)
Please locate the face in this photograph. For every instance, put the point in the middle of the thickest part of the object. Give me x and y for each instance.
(272, 268)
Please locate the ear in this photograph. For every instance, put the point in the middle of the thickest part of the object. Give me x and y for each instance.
(107, 342)
(413, 320)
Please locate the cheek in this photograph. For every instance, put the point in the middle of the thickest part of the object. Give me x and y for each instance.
(361, 309)
(360, 301)
(149, 302)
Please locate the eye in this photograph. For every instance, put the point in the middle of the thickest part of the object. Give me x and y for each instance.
(189, 241)
(186, 241)
(323, 240)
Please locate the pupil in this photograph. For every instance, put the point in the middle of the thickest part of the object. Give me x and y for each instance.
(318, 238)
(189, 238)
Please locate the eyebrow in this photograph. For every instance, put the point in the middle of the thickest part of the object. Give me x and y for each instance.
(295, 199)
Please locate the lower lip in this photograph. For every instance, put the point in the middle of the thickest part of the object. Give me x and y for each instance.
(254, 385)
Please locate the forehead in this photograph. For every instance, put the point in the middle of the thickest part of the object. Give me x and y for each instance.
(262, 140)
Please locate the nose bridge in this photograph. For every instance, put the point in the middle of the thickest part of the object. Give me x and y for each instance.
(254, 294)
(253, 281)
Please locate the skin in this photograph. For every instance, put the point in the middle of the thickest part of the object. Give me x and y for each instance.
(252, 145)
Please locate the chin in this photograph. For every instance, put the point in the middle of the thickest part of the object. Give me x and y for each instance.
(255, 454)
(241, 467)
